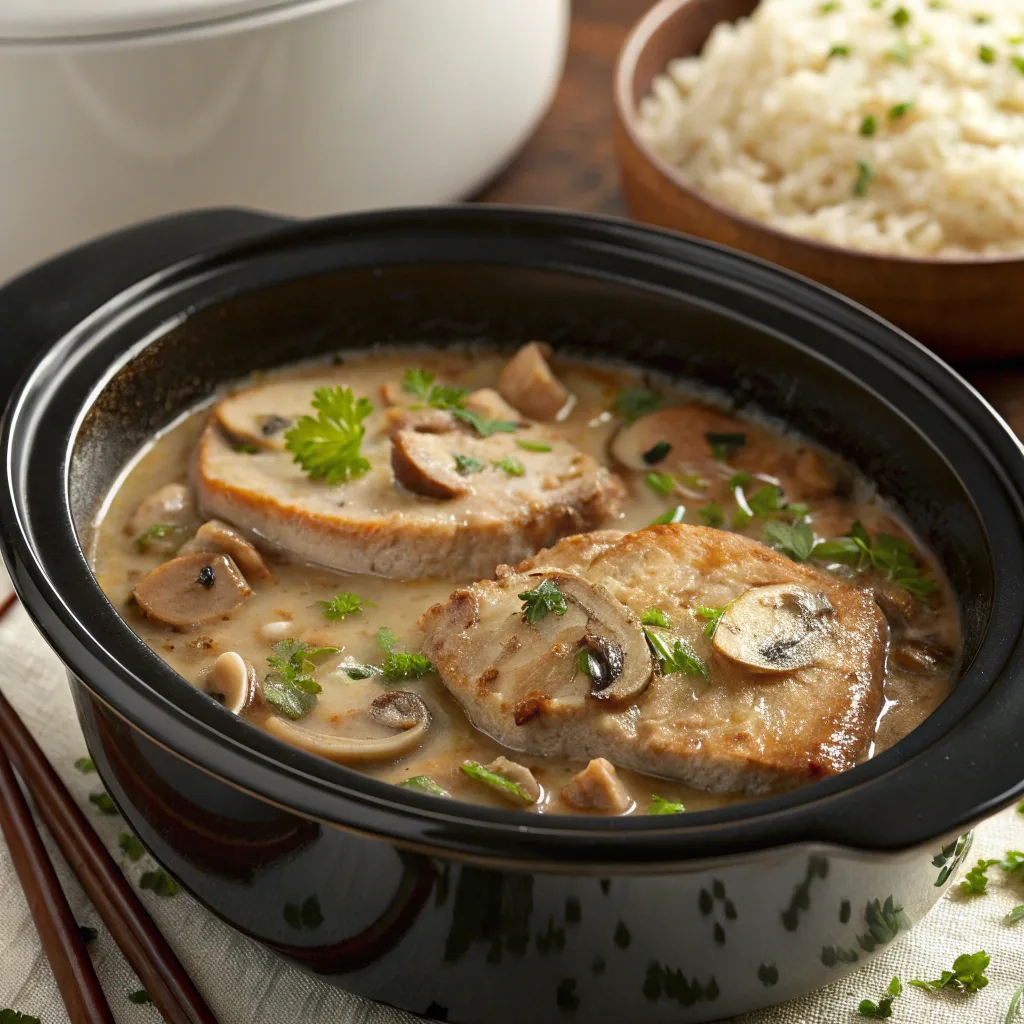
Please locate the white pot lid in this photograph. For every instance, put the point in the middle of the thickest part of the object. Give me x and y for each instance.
(51, 20)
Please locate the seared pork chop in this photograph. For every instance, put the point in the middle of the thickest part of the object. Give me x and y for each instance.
(786, 689)
(439, 499)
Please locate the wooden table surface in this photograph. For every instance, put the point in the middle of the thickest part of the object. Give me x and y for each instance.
(570, 161)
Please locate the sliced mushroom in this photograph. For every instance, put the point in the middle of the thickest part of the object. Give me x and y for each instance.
(192, 589)
(520, 775)
(920, 655)
(397, 709)
(598, 788)
(214, 535)
(233, 679)
(528, 383)
(171, 505)
(777, 628)
(488, 403)
(423, 421)
(424, 464)
(633, 443)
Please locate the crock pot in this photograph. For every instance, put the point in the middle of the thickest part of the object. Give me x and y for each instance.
(112, 111)
(461, 912)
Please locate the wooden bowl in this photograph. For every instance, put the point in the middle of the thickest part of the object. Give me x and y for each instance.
(963, 309)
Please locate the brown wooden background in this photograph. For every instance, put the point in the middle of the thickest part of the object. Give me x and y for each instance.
(570, 161)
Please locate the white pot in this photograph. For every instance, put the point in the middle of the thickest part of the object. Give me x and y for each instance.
(113, 111)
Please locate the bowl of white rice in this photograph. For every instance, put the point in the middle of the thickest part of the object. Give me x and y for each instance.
(875, 145)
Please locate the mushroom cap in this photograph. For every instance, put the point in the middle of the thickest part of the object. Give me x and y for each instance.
(423, 463)
(171, 505)
(398, 709)
(173, 594)
(529, 384)
(215, 535)
(777, 628)
(233, 677)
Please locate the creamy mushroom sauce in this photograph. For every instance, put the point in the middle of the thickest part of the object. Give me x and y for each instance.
(915, 683)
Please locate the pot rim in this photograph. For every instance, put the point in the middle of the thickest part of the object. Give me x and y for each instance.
(918, 791)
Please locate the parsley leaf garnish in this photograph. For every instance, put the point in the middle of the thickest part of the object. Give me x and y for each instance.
(656, 453)
(968, 974)
(541, 600)
(710, 617)
(869, 125)
(354, 670)
(158, 531)
(839, 50)
(290, 688)
(975, 881)
(881, 1010)
(654, 616)
(986, 54)
(712, 514)
(864, 172)
(740, 479)
(898, 110)
(159, 882)
(534, 446)
(481, 774)
(85, 765)
(659, 805)
(661, 483)
(632, 403)
(400, 664)
(1013, 862)
(511, 465)
(887, 554)
(901, 17)
(724, 444)
(796, 541)
(425, 784)
(327, 446)
(418, 382)
(671, 515)
(481, 424)
(103, 803)
(466, 464)
(675, 658)
(342, 605)
(1014, 915)
(130, 846)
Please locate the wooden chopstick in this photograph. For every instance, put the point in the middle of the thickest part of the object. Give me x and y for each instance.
(159, 970)
(58, 931)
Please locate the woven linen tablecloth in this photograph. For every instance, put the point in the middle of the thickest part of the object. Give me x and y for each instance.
(245, 983)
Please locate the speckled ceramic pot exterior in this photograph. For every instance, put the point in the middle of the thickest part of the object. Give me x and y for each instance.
(468, 913)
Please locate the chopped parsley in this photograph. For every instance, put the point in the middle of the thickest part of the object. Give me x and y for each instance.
(975, 881)
(102, 802)
(1018, 63)
(710, 617)
(354, 670)
(85, 765)
(290, 687)
(656, 453)
(829, 7)
(447, 398)
(327, 445)
(400, 664)
(159, 882)
(534, 446)
(654, 616)
(541, 600)
(158, 531)
(968, 974)
(863, 179)
(724, 445)
(632, 403)
(131, 847)
(466, 464)
(887, 554)
(1015, 915)
(766, 503)
(839, 50)
(986, 54)
(481, 424)
(511, 465)
(425, 784)
(678, 657)
(796, 541)
(479, 773)
(881, 1010)
(898, 110)
(245, 448)
(869, 125)
(342, 605)
(659, 805)
(1013, 862)
(981, 19)
(661, 483)
(740, 479)
(418, 382)
(712, 514)
(900, 53)
(901, 17)
(671, 515)
(140, 997)
(587, 662)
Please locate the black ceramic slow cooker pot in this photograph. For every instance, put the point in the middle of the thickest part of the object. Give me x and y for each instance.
(463, 912)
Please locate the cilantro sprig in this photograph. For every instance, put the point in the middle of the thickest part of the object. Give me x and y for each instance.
(342, 605)
(327, 446)
(290, 687)
(541, 600)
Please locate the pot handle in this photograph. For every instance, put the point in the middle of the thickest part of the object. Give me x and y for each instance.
(44, 303)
